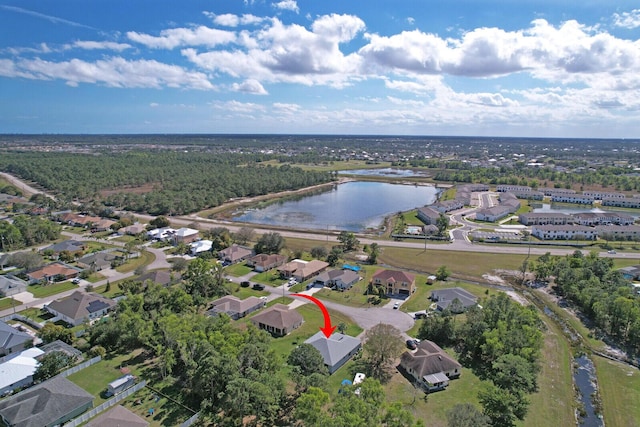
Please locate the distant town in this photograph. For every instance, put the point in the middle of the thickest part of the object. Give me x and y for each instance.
(131, 290)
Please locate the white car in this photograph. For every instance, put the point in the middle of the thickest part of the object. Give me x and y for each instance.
(396, 306)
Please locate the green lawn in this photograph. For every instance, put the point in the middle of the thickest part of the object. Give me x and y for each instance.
(354, 297)
(36, 314)
(420, 298)
(125, 238)
(619, 391)
(95, 277)
(552, 404)
(313, 320)
(41, 291)
(6, 303)
(243, 293)
(271, 278)
(167, 410)
(145, 258)
(237, 270)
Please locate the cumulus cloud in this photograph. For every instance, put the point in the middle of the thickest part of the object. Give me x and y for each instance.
(231, 20)
(249, 86)
(287, 5)
(172, 38)
(628, 20)
(112, 72)
(239, 107)
(94, 45)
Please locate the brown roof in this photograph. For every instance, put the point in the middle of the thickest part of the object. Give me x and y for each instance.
(268, 259)
(79, 304)
(279, 316)
(52, 270)
(428, 359)
(118, 416)
(303, 269)
(394, 276)
(235, 252)
(231, 304)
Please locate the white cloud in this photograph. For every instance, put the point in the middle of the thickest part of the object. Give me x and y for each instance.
(239, 107)
(112, 72)
(284, 107)
(50, 18)
(411, 21)
(171, 38)
(409, 102)
(104, 45)
(231, 20)
(287, 5)
(628, 20)
(249, 86)
(154, 105)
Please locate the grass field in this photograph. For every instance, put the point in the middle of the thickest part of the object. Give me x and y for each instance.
(41, 291)
(420, 298)
(238, 270)
(271, 278)
(552, 404)
(145, 258)
(242, 293)
(620, 392)
(36, 314)
(6, 303)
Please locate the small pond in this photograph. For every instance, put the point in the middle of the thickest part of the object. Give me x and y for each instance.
(386, 172)
(352, 206)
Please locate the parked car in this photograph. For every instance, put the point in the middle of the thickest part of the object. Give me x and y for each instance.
(396, 306)
(245, 283)
(75, 281)
(411, 344)
(258, 287)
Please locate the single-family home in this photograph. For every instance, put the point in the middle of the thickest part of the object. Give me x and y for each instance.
(17, 370)
(97, 261)
(71, 246)
(79, 307)
(133, 229)
(162, 277)
(56, 271)
(11, 285)
(302, 270)
(200, 246)
(185, 235)
(338, 279)
(631, 273)
(265, 262)
(234, 253)
(445, 297)
(430, 366)
(119, 416)
(235, 307)
(164, 233)
(279, 320)
(395, 282)
(335, 350)
(12, 340)
(102, 224)
(48, 404)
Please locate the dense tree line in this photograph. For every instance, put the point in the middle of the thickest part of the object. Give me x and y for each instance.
(501, 342)
(171, 182)
(27, 231)
(601, 293)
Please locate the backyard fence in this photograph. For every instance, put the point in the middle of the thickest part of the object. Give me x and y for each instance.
(190, 420)
(81, 366)
(106, 405)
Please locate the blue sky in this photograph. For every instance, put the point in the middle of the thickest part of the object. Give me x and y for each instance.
(417, 67)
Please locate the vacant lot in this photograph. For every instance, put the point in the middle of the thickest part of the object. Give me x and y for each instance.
(41, 291)
(619, 391)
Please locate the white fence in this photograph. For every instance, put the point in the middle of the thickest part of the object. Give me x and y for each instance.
(81, 366)
(106, 405)
(190, 420)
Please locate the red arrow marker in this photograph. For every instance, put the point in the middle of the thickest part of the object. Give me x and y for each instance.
(328, 329)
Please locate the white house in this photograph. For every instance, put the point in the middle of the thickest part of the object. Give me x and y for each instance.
(200, 246)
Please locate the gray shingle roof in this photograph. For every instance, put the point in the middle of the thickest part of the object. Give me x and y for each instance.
(334, 348)
(44, 403)
(11, 337)
(79, 304)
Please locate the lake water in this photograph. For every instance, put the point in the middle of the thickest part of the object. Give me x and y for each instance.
(352, 206)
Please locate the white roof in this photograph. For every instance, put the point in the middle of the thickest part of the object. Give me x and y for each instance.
(22, 366)
(184, 232)
(201, 245)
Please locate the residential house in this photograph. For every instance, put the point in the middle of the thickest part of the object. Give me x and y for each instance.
(629, 202)
(579, 199)
(492, 214)
(338, 279)
(395, 282)
(619, 232)
(133, 229)
(302, 270)
(164, 233)
(56, 271)
(80, 307)
(445, 297)
(265, 262)
(16, 371)
(118, 417)
(97, 261)
(235, 307)
(448, 205)
(428, 215)
(48, 404)
(234, 253)
(12, 340)
(103, 224)
(564, 232)
(200, 246)
(161, 277)
(528, 195)
(71, 246)
(279, 320)
(631, 273)
(185, 235)
(555, 191)
(504, 188)
(10, 285)
(602, 195)
(335, 350)
(430, 366)
(544, 218)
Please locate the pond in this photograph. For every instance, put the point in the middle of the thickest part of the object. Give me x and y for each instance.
(352, 206)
